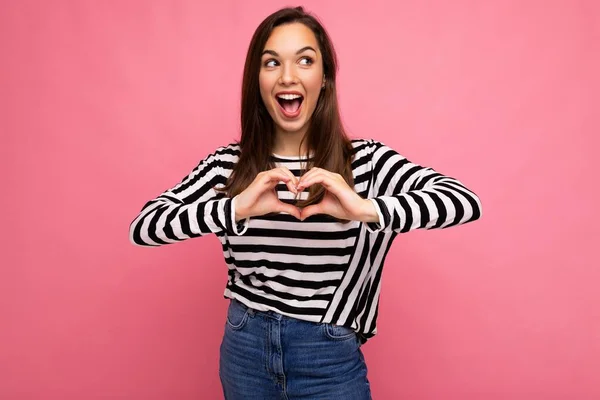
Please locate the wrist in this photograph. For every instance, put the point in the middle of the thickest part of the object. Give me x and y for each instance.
(369, 212)
(238, 214)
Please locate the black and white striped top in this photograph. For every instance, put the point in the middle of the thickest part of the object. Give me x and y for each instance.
(318, 269)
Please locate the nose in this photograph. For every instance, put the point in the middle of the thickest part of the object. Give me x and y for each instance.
(288, 75)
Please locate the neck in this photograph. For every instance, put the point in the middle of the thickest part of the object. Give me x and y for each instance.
(288, 143)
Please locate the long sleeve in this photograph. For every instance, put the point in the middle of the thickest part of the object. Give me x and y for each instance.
(408, 196)
(192, 208)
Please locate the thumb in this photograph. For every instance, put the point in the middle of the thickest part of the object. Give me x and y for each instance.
(290, 209)
(310, 210)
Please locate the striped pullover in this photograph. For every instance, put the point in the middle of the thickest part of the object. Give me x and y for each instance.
(319, 269)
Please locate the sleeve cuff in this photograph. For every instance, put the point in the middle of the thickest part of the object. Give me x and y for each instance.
(240, 227)
(374, 227)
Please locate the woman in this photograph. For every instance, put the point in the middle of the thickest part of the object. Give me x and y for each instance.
(305, 216)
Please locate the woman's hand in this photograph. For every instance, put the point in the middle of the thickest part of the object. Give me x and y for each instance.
(260, 197)
(340, 201)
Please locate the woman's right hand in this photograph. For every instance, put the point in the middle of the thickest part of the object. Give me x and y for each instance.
(260, 197)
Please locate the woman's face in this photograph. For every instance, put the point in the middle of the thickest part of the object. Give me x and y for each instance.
(291, 77)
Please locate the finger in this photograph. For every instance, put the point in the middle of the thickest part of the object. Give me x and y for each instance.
(273, 177)
(289, 173)
(291, 184)
(307, 178)
(288, 208)
(311, 210)
(324, 179)
(315, 172)
(276, 174)
(281, 174)
(310, 173)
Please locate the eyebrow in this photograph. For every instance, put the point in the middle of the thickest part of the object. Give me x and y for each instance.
(274, 53)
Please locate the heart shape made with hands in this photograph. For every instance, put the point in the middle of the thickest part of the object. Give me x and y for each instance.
(340, 201)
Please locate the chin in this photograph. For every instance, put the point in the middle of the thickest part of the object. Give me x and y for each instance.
(291, 129)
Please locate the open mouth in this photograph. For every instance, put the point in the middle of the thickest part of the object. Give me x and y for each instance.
(290, 104)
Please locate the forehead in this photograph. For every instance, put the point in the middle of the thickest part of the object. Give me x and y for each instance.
(290, 38)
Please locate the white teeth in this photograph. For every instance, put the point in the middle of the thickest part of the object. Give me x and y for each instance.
(289, 96)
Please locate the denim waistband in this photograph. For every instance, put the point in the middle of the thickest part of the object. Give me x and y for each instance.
(252, 312)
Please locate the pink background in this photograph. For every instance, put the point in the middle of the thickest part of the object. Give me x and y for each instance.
(105, 104)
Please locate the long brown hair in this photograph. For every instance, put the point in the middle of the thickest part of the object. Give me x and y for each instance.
(326, 139)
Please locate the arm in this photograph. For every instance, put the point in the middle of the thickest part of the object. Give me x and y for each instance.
(409, 196)
(192, 208)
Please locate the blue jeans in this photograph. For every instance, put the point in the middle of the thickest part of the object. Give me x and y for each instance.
(265, 355)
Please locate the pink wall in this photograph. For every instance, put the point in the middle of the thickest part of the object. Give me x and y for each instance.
(105, 104)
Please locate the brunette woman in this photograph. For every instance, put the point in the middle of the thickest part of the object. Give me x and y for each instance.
(305, 217)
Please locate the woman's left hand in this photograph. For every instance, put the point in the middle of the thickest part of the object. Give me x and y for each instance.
(340, 201)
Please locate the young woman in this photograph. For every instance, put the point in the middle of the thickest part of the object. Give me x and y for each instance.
(305, 216)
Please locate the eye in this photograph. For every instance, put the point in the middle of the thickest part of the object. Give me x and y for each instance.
(270, 63)
(308, 60)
